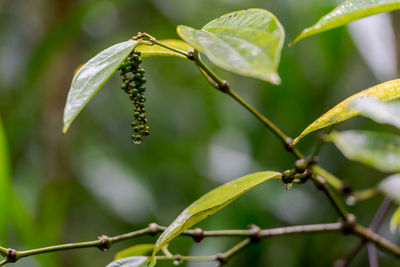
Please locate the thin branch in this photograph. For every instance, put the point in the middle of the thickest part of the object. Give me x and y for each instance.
(380, 214)
(223, 86)
(3, 251)
(186, 258)
(344, 262)
(105, 242)
(286, 141)
(380, 241)
(357, 196)
(322, 184)
(311, 228)
(375, 223)
(153, 41)
(338, 184)
(224, 257)
(372, 255)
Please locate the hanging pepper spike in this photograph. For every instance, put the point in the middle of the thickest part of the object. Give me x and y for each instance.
(133, 81)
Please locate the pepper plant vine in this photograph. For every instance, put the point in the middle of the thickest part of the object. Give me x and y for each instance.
(249, 43)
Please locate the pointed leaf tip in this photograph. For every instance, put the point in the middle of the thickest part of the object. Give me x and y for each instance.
(347, 12)
(386, 91)
(210, 203)
(92, 76)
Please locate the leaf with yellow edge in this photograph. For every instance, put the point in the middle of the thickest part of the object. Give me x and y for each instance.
(347, 12)
(395, 220)
(386, 91)
(212, 202)
(156, 50)
(136, 250)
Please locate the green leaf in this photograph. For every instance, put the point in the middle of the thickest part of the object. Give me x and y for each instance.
(139, 261)
(156, 50)
(386, 91)
(347, 12)
(390, 186)
(246, 42)
(379, 111)
(395, 220)
(212, 202)
(137, 250)
(92, 76)
(379, 150)
(5, 186)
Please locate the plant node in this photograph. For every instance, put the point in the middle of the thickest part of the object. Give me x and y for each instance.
(198, 235)
(349, 224)
(153, 228)
(289, 144)
(220, 257)
(288, 176)
(256, 232)
(11, 255)
(105, 243)
(346, 188)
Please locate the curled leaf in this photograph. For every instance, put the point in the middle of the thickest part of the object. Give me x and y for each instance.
(347, 12)
(246, 42)
(92, 76)
(210, 203)
(386, 91)
(378, 150)
(136, 250)
(156, 50)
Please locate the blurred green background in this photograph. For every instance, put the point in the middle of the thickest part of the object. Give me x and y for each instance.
(58, 188)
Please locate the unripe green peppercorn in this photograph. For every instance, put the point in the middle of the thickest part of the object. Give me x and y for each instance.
(132, 83)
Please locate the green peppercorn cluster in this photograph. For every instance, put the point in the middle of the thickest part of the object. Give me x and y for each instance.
(133, 81)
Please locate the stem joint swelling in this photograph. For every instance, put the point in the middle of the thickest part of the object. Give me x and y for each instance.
(349, 223)
(105, 243)
(12, 255)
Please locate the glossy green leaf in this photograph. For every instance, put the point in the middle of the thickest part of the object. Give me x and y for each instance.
(156, 50)
(92, 76)
(376, 149)
(390, 186)
(379, 111)
(395, 220)
(4, 184)
(137, 250)
(212, 202)
(386, 91)
(139, 261)
(347, 12)
(247, 42)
